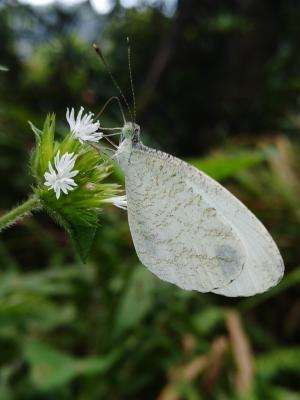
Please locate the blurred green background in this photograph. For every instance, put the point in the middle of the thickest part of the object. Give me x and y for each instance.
(218, 84)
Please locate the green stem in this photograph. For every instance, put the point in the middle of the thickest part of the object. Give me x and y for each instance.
(13, 215)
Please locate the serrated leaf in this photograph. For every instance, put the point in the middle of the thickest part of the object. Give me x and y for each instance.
(34, 162)
(36, 153)
(37, 132)
(47, 143)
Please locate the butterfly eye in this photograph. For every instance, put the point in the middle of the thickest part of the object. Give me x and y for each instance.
(135, 138)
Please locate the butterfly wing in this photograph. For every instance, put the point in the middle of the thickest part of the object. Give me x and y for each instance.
(189, 230)
(178, 233)
(264, 266)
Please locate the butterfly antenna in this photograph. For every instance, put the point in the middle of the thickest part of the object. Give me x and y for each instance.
(131, 78)
(99, 53)
(107, 103)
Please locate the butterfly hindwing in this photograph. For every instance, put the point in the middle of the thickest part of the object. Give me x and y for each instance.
(264, 265)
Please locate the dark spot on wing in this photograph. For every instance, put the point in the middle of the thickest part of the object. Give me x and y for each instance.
(229, 260)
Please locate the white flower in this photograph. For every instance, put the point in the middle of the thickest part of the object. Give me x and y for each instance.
(61, 178)
(118, 201)
(83, 128)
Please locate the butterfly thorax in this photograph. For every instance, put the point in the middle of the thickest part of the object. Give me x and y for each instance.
(130, 138)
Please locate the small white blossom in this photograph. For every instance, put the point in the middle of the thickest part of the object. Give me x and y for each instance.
(61, 177)
(82, 127)
(118, 201)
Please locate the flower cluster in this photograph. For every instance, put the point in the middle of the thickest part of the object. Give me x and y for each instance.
(60, 177)
(70, 177)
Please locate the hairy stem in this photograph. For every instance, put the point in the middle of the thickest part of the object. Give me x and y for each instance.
(20, 211)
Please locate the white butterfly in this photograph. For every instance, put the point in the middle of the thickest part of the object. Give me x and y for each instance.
(189, 230)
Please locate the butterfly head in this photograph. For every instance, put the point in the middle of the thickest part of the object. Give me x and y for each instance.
(130, 138)
(131, 131)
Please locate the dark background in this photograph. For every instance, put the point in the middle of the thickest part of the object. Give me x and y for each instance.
(217, 83)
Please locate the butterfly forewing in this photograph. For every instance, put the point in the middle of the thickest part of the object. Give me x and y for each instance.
(178, 233)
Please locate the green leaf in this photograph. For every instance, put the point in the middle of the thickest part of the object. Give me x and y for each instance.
(136, 301)
(280, 393)
(34, 162)
(206, 321)
(37, 132)
(5, 392)
(226, 166)
(47, 144)
(81, 228)
(97, 365)
(273, 363)
(82, 237)
(52, 368)
(49, 367)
